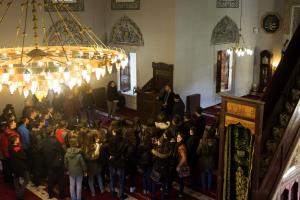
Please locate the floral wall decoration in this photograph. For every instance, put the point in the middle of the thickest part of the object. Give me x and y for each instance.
(126, 32)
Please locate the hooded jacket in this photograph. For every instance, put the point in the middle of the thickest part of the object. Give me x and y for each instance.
(5, 141)
(74, 162)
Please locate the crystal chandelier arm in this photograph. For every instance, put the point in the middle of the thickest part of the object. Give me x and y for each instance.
(65, 25)
(58, 36)
(78, 23)
(35, 22)
(19, 23)
(8, 5)
(87, 33)
(24, 32)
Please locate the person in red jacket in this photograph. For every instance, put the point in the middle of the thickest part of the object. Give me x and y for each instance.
(61, 132)
(9, 131)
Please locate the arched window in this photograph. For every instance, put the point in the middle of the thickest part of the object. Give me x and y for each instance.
(285, 195)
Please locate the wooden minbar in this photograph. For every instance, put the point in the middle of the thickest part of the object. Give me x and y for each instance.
(147, 105)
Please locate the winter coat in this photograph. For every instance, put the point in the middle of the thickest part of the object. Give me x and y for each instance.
(74, 162)
(117, 152)
(5, 141)
(112, 94)
(92, 159)
(161, 157)
(206, 152)
(18, 160)
(25, 136)
(199, 123)
(191, 146)
(52, 152)
(36, 139)
(145, 155)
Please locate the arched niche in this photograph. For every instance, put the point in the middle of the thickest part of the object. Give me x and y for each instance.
(226, 31)
(284, 195)
(126, 32)
(67, 32)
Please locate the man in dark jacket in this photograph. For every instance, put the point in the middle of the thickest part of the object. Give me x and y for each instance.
(117, 155)
(167, 100)
(53, 154)
(178, 107)
(88, 104)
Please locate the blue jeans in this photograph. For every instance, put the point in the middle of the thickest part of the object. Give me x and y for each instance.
(146, 178)
(120, 172)
(206, 179)
(100, 182)
(75, 187)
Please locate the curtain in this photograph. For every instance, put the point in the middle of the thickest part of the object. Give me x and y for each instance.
(238, 157)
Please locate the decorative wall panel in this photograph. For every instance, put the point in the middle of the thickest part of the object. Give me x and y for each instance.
(226, 31)
(126, 32)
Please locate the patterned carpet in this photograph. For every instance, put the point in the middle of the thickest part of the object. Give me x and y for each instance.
(38, 193)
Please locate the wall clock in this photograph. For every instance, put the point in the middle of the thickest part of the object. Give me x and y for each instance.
(271, 22)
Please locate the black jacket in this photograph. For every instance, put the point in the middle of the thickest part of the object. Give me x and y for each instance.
(112, 93)
(169, 100)
(199, 123)
(178, 108)
(18, 161)
(53, 153)
(191, 147)
(117, 152)
(88, 101)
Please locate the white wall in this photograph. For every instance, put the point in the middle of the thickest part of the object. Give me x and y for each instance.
(156, 22)
(195, 57)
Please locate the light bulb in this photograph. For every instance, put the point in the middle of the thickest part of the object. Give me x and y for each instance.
(5, 76)
(98, 73)
(79, 82)
(12, 89)
(11, 71)
(118, 65)
(103, 71)
(88, 78)
(26, 93)
(72, 83)
(40, 63)
(20, 90)
(84, 72)
(27, 76)
(34, 86)
(109, 69)
(67, 74)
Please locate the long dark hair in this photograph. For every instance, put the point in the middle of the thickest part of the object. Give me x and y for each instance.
(109, 84)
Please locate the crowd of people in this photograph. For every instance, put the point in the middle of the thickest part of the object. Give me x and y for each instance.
(46, 145)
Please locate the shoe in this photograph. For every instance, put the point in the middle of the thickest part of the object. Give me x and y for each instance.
(180, 196)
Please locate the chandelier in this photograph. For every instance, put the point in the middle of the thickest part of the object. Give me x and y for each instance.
(239, 48)
(40, 68)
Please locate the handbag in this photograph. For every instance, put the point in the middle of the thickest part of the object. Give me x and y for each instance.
(184, 171)
(155, 176)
